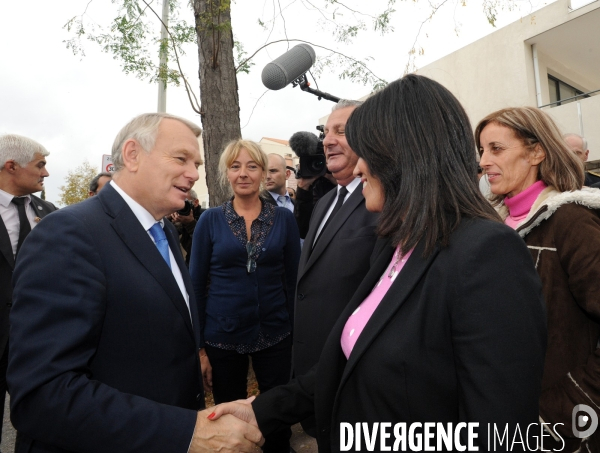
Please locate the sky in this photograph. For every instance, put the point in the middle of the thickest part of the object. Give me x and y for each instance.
(76, 105)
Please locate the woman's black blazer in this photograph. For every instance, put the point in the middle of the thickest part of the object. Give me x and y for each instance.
(459, 337)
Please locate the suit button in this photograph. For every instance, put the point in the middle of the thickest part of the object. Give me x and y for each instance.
(300, 296)
(198, 397)
(9, 305)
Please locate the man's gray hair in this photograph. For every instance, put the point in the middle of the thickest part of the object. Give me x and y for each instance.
(143, 129)
(193, 194)
(584, 143)
(20, 149)
(343, 103)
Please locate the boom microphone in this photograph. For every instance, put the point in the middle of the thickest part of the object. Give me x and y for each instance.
(288, 67)
(304, 143)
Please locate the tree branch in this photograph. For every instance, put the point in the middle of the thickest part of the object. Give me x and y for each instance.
(272, 25)
(188, 88)
(86, 8)
(320, 11)
(142, 13)
(283, 19)
(315, 45)
(252, 112)
(412, 51)
(336, 2)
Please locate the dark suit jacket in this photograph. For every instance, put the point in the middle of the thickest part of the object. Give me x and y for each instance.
(306, 201)
(591, 179)
(266, 195)
(103, 357)
(459, 337)
(328, 277)
(7, 265)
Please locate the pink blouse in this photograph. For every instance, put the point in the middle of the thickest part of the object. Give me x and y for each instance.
(520, 205)
(358, 320)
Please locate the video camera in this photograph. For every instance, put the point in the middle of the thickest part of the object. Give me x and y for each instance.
(309, 148)
(187, 208)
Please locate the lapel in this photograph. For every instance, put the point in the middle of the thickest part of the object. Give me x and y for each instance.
(355, 199)
(316, 218)
(401, 289)
(131, 232)
(266, 196)
(40, 207)
(6, 246)
(173, 240)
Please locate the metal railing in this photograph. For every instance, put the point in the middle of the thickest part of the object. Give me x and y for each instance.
(572, 98)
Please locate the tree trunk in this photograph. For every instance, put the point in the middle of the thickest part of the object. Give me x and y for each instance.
(219, 102)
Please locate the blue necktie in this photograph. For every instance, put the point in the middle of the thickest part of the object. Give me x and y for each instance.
(282, 200)
(161, 242)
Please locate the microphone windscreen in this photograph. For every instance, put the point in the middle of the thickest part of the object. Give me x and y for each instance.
(288, 67)
(304, 143)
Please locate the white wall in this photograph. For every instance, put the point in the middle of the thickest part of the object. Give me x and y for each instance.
(497, 71)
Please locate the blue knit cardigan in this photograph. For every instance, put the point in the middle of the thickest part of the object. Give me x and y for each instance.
(234, 305)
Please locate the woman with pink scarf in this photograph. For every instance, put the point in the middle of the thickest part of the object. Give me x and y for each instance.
(536, 182)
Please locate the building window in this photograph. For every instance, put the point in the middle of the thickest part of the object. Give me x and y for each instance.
(560, 90)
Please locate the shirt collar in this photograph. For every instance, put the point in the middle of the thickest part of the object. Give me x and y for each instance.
(351, 186)
(266, 212)
(6, 198)
(276, 195)
(141, 213)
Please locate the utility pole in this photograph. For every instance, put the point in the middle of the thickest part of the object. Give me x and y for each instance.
(162, 85)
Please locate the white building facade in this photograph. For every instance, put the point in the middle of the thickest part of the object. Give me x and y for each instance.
(549, 59)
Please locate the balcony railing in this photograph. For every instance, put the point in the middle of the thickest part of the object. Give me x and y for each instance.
(580, 116)
(572, 98)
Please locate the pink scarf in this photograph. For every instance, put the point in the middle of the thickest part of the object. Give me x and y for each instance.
(520, 205)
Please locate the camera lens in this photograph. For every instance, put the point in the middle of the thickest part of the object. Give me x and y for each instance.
(187, 208)
(312, 166)
(317, 165)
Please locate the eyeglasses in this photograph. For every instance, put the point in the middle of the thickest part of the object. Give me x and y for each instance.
(251, 263)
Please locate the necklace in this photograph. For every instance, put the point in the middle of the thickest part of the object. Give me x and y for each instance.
(398, 257)
(392, 273)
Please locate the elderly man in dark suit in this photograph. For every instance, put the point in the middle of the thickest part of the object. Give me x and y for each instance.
(336, 251)
(22, 172)
(104, 325)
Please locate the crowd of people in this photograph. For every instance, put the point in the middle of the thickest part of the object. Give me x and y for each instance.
(405, 294)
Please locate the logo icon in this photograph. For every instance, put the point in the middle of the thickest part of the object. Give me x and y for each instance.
(584, 416)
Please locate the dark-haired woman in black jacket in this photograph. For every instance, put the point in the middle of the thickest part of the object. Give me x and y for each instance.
(448, 326)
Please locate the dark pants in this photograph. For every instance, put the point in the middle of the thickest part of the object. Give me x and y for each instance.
(272, 368)
(3, 387)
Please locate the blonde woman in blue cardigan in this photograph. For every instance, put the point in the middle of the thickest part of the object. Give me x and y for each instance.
(244, 262)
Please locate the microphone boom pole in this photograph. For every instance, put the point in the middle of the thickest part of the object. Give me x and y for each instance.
(304, 85)
(291, 67)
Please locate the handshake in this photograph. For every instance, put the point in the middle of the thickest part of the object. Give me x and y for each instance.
(228, 427)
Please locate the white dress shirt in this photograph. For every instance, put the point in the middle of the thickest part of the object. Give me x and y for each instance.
(146, 219)
(288, 202)
(10, 216)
